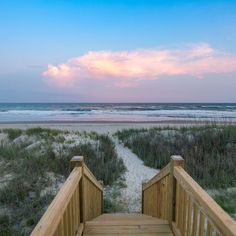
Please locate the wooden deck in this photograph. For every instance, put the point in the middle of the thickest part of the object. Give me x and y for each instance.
(127, 224)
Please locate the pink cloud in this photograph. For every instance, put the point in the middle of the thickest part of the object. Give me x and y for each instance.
(127, 68)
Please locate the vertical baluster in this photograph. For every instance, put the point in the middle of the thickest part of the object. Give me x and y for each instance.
(185, 206)
(60, 229)
(69, 219)
(160, 199)
(218, 233)
(56, 233)
(195, 220)
(180, 208)
(77, 207)
(163, 198)
(73, 213)
(189, 222)
(209, 228)
(65, 223)
(166, 197)
(157, 198)
(202, 224)
(177, 204)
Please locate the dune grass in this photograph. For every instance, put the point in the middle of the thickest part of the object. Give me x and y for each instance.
(227, 201)
(32, 176)
(208, 151)
(12, 133)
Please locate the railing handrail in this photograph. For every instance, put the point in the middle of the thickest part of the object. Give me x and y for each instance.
(51, 218)
(217, 215)
(160, 175)
(167, 184)
(68, 211)
(92, 178)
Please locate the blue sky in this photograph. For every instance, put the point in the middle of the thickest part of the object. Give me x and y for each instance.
(34, 34)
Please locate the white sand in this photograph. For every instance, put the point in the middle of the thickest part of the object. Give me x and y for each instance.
(136, 173)
(97, 127)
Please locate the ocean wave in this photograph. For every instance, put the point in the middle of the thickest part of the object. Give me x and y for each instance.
(73, 112)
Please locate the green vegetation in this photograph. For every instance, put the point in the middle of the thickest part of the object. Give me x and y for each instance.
(227, 200)
(5, 225)
(112, 197)
(13, 133)
(103, 161)
(44, 132)
(111, 206)
(34, 166)
(209, 151)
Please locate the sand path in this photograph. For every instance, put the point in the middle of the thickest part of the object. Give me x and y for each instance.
(136, 173)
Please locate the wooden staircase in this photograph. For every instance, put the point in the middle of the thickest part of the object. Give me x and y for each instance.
(172, 204)
(127, 225)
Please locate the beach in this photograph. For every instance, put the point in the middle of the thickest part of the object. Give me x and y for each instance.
(108, 127)
(99, 127)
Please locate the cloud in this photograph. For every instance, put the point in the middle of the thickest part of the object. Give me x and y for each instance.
(127, 68)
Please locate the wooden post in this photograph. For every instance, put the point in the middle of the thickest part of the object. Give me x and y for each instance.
(74, 162)
(175, 161)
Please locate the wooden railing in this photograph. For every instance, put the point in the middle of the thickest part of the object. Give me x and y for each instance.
(80, 199)
(173, 195)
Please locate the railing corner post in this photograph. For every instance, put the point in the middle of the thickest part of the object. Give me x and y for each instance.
(175, 161)
(76, 161)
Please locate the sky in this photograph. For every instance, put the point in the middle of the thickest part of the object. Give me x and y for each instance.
(117, 51)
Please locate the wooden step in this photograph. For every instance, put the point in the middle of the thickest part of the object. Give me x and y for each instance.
(127, 224)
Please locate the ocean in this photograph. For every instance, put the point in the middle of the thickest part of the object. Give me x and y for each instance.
(114, 112)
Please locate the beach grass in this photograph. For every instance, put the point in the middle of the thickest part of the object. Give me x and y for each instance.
(227, 200)
(208, 151)
(34, 163)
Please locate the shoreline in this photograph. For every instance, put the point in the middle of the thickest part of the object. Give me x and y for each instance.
(106, 126)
